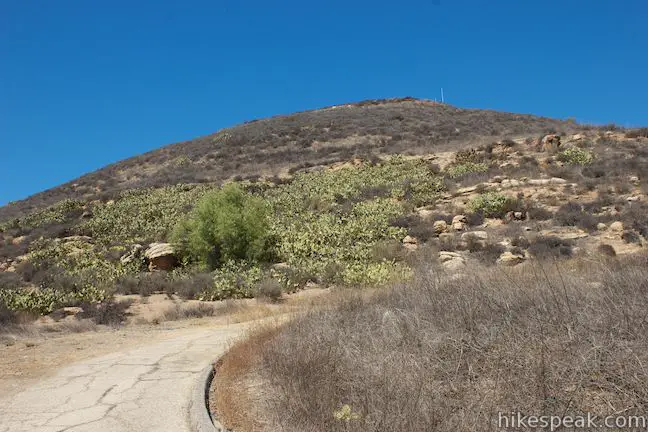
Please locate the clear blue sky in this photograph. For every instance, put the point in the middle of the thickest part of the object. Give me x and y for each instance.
(85, 83)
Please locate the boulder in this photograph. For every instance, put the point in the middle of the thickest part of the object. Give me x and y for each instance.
(410, 243)
(410, 240)
(161, 256)
(633, 198)
(601, 226)
(510, 259)
(509, 183)
(440, 227)
(466, 190)
(545, 182)
(616, 226)
(459, 218)
(577, 137)
(634, 180)
(479, 235)
(459, 223)
(448, 256)
(451, 261)
(425, 213)
(18, 240)
(565, 233)
(459, 226)
(550, 143)
(72, 310)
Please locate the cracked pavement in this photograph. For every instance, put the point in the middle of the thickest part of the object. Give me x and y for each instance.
(143, 389)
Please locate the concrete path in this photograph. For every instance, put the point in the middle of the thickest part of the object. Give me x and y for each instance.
(145, 389)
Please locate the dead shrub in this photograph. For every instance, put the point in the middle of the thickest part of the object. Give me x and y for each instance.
(270, 289)
(573, 214)
(190, 287)
(111, 313)
(550, 247)
(606, 249)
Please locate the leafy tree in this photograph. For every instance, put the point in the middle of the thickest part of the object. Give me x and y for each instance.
(226, 225)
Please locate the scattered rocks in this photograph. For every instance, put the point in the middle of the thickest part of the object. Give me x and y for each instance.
(633, 198)
(513, 216)
(510, 259)
(634, 180)
(161, 256)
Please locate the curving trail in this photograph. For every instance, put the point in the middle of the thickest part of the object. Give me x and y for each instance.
(143, 389)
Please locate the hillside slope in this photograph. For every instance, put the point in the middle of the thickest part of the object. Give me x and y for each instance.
(275, 145)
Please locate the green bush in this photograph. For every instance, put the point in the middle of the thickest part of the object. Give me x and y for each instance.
(234, 280)
(228, 224)
(142, 215)
(466, 168)
(491, 204)
(576, 156)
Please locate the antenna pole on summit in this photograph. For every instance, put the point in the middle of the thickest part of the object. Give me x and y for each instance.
(442, 98)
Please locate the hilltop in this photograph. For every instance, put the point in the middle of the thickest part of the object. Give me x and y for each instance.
(282, 144)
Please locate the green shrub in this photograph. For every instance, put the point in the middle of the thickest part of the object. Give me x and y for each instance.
(234, 280)
(466, 168)
(228, 224)
(576, 156)
(491, 204)
(142, 215)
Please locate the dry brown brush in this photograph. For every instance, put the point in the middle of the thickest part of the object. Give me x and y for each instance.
(450, 354)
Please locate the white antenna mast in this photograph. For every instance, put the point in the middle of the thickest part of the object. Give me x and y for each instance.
(442, 98)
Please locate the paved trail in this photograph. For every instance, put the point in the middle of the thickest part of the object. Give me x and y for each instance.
(144, 389)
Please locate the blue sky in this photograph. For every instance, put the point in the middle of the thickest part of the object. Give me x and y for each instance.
(86, 83)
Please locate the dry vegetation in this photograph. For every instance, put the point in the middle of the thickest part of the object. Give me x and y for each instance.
(449, 354)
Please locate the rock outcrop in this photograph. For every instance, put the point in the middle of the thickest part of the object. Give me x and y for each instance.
(161, 256)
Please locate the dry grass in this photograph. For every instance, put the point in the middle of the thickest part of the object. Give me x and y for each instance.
(448, 355)
(234, 390)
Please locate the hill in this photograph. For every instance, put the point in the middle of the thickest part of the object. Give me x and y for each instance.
(351, 195)
(275, 146)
